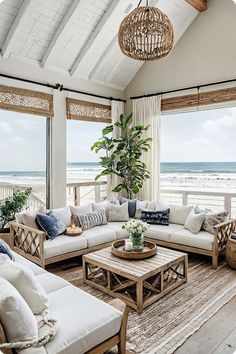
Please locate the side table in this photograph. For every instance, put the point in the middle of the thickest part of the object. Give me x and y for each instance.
(231, 252)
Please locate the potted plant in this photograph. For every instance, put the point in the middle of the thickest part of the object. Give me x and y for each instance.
(12, 205)
(122, 155)
(136, 228)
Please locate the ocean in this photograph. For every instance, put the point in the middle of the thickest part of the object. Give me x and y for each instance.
(213, 176)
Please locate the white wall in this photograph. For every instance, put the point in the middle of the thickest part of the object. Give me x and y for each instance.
(206, 53)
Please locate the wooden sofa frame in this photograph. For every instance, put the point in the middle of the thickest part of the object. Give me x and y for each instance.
(119, 339)
(29, 243)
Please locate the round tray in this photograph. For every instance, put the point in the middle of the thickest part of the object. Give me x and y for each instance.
(118, 250)
(72, 233)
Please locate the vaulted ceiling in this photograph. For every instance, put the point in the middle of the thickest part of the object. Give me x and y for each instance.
(79, 37)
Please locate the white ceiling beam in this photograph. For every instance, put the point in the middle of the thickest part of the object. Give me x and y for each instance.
(93, 36)
(22, 14)
(59, 32)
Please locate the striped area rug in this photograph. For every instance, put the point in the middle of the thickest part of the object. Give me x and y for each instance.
(165, 325)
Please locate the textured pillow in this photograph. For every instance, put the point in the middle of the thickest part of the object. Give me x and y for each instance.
(131, 205)
(16, 317)
(118, 212)
(140, 205)
(51, 224)
(5, 249)
(90, 220)
(102, 205)
(194, 221)
(64, 214)
(26, 283)
(29, 220)
(82, 209)
(160, 217)
(178, 213)
(212, 219)
(18, 217)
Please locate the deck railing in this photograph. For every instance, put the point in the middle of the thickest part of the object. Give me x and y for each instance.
(82, 192)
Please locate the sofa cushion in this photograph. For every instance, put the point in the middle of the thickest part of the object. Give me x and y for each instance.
(202, 240)
(99, 235)
(64, 214)
(63, 244)
(84, 321)
(51, 282)
(194, 222)
(29, 220)
(32, 266)
(178, 213)
(160, 232)
(117, 227)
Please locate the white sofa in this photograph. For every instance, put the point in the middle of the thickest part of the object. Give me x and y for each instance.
(32, 243)
(86, 324)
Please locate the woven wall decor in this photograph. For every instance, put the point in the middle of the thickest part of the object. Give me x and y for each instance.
(146, 34)
(88, 111)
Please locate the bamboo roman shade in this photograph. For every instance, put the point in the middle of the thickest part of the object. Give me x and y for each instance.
(88, 111)
(201, 99)
(26, 101)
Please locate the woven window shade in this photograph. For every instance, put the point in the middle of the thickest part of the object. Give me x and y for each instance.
(26, 101)
(88, 111)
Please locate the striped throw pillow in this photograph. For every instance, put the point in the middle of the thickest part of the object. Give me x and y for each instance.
(89, 220)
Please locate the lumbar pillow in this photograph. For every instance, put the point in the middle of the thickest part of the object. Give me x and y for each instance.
(160, 217)
(17, 318)
(24, 280)
(89, 220)
(64, 214)
(131, 205)
(212, 219)
(194, 221)
(178, 214)
(118, 212)
(5, 249)
(51, 224)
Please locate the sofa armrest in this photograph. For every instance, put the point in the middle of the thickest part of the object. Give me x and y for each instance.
(28, 242)
(122, 307)
(223, 231)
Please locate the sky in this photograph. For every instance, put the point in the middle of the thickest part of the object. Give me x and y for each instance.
(189, 137)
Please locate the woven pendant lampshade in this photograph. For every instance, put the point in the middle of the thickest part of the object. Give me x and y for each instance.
(146, 34)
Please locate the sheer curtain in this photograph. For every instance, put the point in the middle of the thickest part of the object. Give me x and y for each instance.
(117, 108)
(146, 111)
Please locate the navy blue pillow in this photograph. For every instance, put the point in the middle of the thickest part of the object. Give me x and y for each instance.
(5, 249)
(131, 205)
(51, 224)
(157, 217)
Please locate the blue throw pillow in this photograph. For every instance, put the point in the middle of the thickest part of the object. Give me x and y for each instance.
(131, 205)
(51, 224)
(5, 249)
(159, 217)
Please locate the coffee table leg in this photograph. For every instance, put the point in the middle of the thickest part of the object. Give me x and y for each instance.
(139, 296)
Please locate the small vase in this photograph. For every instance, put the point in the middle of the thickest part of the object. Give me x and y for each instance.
(137, 240)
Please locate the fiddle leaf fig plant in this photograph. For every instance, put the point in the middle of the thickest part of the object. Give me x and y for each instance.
(12, 205)
(122, 156)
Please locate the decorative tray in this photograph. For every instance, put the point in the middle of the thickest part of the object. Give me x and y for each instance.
(118, 250)
(73, 232)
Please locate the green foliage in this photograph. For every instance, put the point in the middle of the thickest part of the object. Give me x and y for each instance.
(123, 154)
(12, 205)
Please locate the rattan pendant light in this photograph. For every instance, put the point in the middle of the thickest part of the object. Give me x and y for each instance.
(146, 34)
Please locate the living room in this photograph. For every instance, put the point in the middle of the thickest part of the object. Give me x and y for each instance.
(117, 177)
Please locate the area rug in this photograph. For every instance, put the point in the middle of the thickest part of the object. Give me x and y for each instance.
(165, 325)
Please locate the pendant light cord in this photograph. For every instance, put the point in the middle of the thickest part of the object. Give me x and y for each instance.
(141, 1)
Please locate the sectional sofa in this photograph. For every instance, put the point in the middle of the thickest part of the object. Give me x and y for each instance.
(32, 243)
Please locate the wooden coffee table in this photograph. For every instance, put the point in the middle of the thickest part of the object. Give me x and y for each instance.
(139, 283)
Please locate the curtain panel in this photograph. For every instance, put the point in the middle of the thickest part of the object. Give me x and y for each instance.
(26, 101)
(88, 111)
(147, 111)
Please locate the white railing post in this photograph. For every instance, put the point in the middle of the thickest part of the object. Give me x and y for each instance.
(76, 195)
(185, 198)
(227, 203)
(97, 193)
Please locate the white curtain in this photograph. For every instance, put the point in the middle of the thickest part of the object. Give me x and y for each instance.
(146, 111)
(117, 108)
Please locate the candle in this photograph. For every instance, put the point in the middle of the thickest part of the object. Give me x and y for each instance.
(73, 227)
(128, 245)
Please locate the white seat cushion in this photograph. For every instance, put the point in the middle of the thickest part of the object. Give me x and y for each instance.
(84, 321)
(63, 244)
(202, 240)
(51, 282)
(99, 235)
(162, 232)
(117, 227)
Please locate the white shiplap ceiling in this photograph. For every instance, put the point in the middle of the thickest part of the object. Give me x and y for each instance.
(79, 37)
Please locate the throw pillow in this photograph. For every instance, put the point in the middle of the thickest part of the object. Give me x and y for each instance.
(82, 209)
(26, 283)
(131, 205)
(64, 214)
(90, 220)
(118, 212)
(160, 217)
(16, 317)
(194, 221)
(5, 249)
(212, 219)
(140, 205)
(102, 205)
(51, 224)
(178, 213)
(29, 220)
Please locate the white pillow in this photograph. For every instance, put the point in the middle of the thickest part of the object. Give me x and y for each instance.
(17, 318)
(178, 213)
(19, 218)
(118, 212)
(103, 205)
(82, 209)
(194, 222)
(29, 220)
(140, 205)
(24, 280)
(64, 214)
